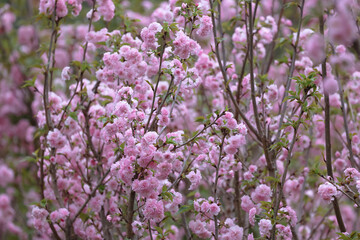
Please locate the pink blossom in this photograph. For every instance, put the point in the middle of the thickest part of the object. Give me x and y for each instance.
(154, 210)
(290, 215)
(65, 74)
(250, 237)
(246, 203)
(265, 226)
(315, 48)
(59, 215)
(252, 213)
(148, 34)
(284, 231)
(194, 178)
(6, 175)
(352, 174)
(205, 26)
(164, 170)
(184, 46)
(39, 213)
(137, 228)
(27, 38)
(248, 176)
(330, 85)
(106, 9)
(342, 28)
(327, 192)
(199, 229)
(56, 139)
(149, 138)
(6, 21)
(261, 193)
(233, 233)
(252, 168)
(214, 209)
(147, 187)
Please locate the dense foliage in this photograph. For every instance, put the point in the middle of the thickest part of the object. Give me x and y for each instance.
(181, 119)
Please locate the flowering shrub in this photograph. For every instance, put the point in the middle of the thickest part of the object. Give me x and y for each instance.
(179, 119)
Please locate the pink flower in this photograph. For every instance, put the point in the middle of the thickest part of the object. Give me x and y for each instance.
(194, 178)
(290, 216)
(248, 175)
(27, 38)
(163, 170)
(122, 109)
(46, 6)
(284, 232)
(65, 74)
(148, 34)
(342, 28)
(164, 117)
(252, 168)
(352, 174)
(146, 188)
(99, 36)
(214, 209)
(205, 26)
(236, 140)
(198, 228)
(330, 85)
(149, 138)
(315, 48)
(39, 213)
(59, 215)
(56, 139)
(6, 175)
(96, 203)
(61, 8)
(327, 192)
(246, 203)
(233, 233)
(230, 149)
(137, 228)
(252, 213)
(250, 237)
(106, 9)
(239, 37)
(184, 46)
(261, 193)
(154, 210)
(265, 227)
(6, 21)
(272, 92)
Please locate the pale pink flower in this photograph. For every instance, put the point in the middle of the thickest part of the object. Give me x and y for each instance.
(153, 210)
(327, 192)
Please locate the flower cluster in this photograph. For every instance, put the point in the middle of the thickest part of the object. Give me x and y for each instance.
(179, 120)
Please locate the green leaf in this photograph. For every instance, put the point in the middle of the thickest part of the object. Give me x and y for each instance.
(159, 229)
(101, 188)
(43, 202)
(170, 140)
(29, 83)
(185, 208)
(200, 119)
(73, 115)
(84, 216)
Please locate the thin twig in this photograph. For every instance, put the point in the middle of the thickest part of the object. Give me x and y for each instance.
(223, 72)
(216, 183)
(328, 138)
(283, 104)
(287, 163)
(157, 83)
(89, 197)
